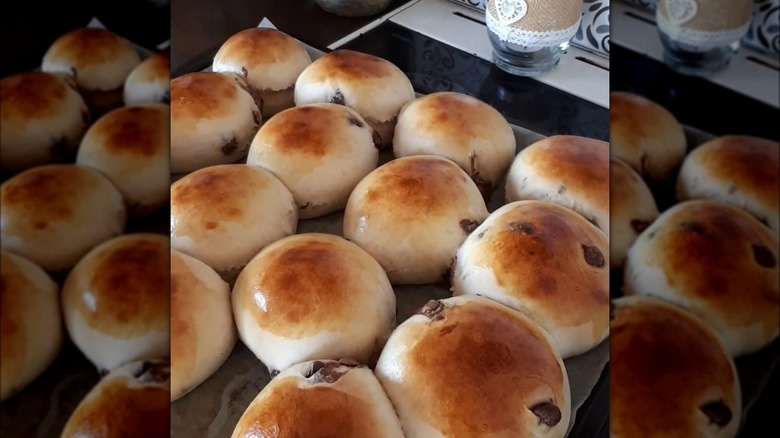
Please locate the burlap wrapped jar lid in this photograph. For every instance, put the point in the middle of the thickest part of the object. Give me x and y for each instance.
(534, 23)
(702, 25)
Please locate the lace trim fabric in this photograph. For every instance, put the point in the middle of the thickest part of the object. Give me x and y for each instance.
(700, 40)
(531, 39)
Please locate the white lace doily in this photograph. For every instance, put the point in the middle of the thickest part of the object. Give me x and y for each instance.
(700, 40)
(531, 40)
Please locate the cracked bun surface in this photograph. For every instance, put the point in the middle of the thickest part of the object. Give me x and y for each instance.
(213, 120)
(150, 81)
(632, 208)
(412, 214)
(43, 119)
(223, 215)
(717, 261)
(566, 170)
(343, 395)
(202, 330)
(313, 296)
(372, 86)
(116, 301)
(130, 146)
(133, 400)
(319, 151)
(740, 171)
(54, 214)
(545, 261)
(459, 127)
(468, 366)
(646, 136)
(670, 376)
(269, 60)
(31, 323)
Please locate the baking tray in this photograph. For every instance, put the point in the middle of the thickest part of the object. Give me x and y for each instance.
(213, 409)
(754, 370)
(42, 409)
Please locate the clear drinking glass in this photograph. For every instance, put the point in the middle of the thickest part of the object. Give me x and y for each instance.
(700, 37)
(530, 36)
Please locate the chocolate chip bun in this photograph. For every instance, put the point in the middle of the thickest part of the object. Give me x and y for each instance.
(670, 376)
(213, 120)
(412, 214)
(202, 329)
(131, 401)
(321, 399)
(31, 325)
(372, 86)
(269, 60)
(717, 261)
(468, 367)
(116, 301)
(737, 170)
(566, 170)
(646, 136)
(319, 151)
(545, 261)
(43, 119)
(54, 214)
(459, 127)
(150, 81)
(98, 60)
(632, 208)
(130, 146)
(223, 215)
(313, 296)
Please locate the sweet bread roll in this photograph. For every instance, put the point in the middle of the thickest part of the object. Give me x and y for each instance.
(116, 301)
(321, 399)
(202, 329)
(566, 170)
(98, 60)
(213, 120)
(131, 401)
(412, 214)
(269, 60)
(53, 214)
(470, 367)
(150, 81)
(646, 136)
(31, 323)
(372, 86)
(459, 127)
(717, 261)
(737, 170)
(545, 261)
(313, 296)
(43, 119)
(632, 208)
(669, 374)
(130, 146)
(223, 215)
(319, 151)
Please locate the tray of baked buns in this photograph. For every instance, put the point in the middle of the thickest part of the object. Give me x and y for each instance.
(694, 273)
(85, 298)
(350, 258)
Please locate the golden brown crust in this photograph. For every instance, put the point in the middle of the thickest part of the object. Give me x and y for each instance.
(349, 66)
(157, 67)
(133, 130)
(202, 95)
(304, 130)
(735, 262)
(259, 46)
(521, 367)
(13, 284)
(30, 95)
(209, 186)
(119, 412)
(633, 118)
(185, 298)
(307, 285)
(665, 365)
(289, 411)
(88, 46)
(419, 186)
(121, 289)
